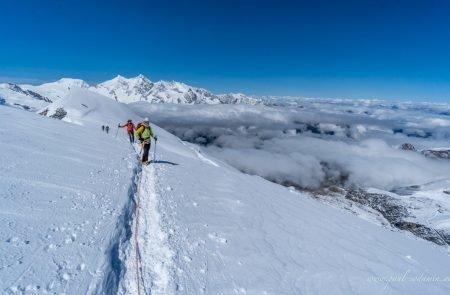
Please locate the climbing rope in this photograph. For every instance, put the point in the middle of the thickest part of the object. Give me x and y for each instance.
(136, 243)
(136, 228)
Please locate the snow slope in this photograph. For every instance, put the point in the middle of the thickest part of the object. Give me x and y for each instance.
(58, 89)
(64, 196)
(16, 96)
(86, 107)
(203, 227)
(206, 228)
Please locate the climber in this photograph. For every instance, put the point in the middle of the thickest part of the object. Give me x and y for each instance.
(130, 130)
(144, 134)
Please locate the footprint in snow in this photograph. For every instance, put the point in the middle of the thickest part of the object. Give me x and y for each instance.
(50, 247)
(81, 267)
(215, 237)
(66, 276)
(187, 258)
(17, 241)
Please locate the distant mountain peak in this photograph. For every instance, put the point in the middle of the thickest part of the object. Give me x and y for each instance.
(140, 88)
(141, 76)
(122, 89)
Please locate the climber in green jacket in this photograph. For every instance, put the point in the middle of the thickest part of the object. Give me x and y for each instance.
(144, 133)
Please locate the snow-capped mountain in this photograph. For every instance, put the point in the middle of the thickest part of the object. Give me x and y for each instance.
(58, 89)
(140, 88)
(33, 98)
(16, 96)
(121, 89)
(238, 98)
(81, 106)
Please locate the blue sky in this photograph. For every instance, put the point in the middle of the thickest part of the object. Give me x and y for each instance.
(357, 49)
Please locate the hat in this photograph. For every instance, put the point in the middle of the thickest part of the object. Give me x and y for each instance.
(146, 120)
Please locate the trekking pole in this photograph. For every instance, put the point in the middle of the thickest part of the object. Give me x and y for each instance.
(117, 132)
(154, 153)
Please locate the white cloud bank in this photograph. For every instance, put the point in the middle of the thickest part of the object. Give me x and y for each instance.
(313, 145)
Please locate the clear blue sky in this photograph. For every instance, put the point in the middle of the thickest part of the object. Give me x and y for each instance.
(393, 49)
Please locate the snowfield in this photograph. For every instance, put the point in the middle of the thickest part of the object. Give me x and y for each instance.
(65, 191)
(81, 216)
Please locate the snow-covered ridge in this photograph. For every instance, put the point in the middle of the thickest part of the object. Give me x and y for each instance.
(82, 106)
(140, 88)
(121, 89)
(16, 96)
(58, 89)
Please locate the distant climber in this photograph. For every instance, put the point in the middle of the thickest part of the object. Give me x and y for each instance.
(107, 128)
(103, 127)
(130, 129)
(144, 134)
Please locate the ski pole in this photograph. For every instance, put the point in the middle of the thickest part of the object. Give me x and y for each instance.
(117, 132)
(154, 153)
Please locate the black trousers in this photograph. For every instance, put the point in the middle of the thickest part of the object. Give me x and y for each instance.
(146, 149)
(131, 135)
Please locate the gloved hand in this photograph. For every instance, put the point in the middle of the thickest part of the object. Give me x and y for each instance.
(118, 125)
(141, 139)
(156, 138)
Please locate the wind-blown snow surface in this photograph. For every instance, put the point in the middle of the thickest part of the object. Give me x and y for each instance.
(64, 191)
(208, 229)
(204, 227)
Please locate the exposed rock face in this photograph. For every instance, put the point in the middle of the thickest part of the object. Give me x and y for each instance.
(397, 214)
(437, 154)
(33, 94)
(44, 112)
(407, 147)
(59, 114)
(23, 106)
(430, 234)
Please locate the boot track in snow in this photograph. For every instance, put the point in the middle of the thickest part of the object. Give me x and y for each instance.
(147, 257)
(114, 266)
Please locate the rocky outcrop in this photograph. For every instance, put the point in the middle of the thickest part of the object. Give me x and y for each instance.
(44, 112)
(407, 147)
(35, 95)
(397, 214)
(59, 114)
(437, 154)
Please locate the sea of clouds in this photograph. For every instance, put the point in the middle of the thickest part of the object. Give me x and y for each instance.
(314, 143)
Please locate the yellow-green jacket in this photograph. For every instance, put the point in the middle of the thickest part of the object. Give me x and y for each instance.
(145, 132)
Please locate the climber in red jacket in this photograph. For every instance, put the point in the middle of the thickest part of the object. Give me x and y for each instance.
(130, 129)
